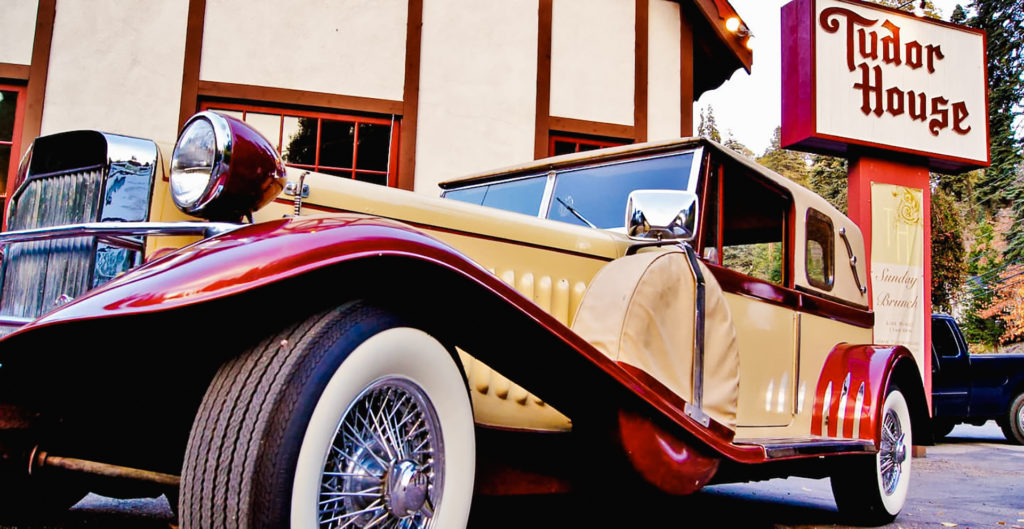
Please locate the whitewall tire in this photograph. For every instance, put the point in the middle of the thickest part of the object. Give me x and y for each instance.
(873, 490)
(348, 419)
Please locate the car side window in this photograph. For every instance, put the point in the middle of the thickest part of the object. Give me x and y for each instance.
(820, 250)
(754, 216)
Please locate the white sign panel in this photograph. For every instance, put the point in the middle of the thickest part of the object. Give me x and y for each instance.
(897, 267)
(883, 77)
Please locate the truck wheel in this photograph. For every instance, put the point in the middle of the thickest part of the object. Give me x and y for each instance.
(348, 419)
(1013, 425)
(873, 489)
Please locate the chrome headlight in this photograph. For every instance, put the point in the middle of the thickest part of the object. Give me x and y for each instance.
(222, 169)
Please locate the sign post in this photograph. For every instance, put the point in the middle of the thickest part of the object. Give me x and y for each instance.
(899, 96)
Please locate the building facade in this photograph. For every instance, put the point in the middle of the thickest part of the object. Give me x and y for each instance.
(404, 93)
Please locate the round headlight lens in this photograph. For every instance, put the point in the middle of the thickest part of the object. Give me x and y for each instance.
(193, 162)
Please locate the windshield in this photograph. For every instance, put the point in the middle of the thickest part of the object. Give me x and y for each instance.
(521, 196)
(586, 196)
(599, 194)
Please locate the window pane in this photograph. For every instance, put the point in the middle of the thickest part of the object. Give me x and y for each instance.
(588, 147)
(237, 114)
(819, 263)
(337, 139)
(943, 339)
(521, 196)
(299, 146)
(760, 260)
(8, 104)
(269, 125)
(373, 178)
(599, 193)
(473, 195)
(344, 173)
(564, 147)
(5, 164)
(374, 147)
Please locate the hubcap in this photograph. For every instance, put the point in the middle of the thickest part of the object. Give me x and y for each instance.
(893, 452)
(385, 466)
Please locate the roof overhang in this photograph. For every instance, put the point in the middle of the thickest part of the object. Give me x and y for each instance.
(717, 51)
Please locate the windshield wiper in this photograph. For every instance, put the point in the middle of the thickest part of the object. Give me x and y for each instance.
(576, 213)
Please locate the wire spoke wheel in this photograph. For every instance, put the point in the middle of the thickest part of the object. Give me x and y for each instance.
(893, 452)
(384, 467)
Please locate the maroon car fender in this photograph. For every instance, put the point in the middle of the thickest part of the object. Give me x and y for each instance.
(851, 386)
(260, 255)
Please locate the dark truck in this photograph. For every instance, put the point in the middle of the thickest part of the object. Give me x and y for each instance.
(972, 389)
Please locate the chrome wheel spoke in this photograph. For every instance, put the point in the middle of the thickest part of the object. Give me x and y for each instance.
(891, 452)
(383, 470)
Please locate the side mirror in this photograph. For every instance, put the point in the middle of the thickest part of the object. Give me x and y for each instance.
(661, 214)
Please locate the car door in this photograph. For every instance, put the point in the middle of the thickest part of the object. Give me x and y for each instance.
(951, 370)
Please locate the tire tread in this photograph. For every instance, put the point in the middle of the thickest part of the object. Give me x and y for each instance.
(245, 403)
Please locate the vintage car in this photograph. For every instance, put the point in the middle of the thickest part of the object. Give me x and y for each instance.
(342, 354)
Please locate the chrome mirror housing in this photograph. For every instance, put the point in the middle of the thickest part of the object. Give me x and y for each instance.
(661, 214)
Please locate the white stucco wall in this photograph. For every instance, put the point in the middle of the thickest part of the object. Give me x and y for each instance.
(592, 55)
(477, 105)
(663, 71)
(350, 47)
(17, 30)
(116, 69)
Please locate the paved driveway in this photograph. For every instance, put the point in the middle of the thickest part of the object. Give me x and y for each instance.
(975, 479)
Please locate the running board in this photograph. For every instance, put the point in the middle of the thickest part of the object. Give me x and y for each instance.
(807, 447)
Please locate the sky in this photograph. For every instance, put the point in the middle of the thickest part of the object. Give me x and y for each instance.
(748, 106)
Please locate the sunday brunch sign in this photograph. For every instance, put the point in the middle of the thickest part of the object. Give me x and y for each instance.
(858, 74)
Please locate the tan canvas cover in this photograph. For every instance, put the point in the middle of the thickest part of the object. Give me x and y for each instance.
(639, 310)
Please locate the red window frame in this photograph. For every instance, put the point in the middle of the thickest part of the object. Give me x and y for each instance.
(283, 111)
(15, 143)
(581, 141)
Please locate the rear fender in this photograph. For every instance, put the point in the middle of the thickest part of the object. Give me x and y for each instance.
(852, 385)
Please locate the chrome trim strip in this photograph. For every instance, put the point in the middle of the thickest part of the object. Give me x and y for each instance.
(826, 409)
(698, 329)
(853, 261)
(857, 409)
(797, 333)
(812, 448)
(14, 321)
(841, 414)
(117, 231)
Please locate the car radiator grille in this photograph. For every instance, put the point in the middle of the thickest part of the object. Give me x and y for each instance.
(40, 275)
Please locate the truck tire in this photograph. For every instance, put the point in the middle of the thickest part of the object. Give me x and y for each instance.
(1013, 423)
(346, 416)
(873, 489)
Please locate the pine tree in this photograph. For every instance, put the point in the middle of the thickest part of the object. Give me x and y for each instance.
(949, 266)
(1003, 22)
(828, 178)
(791, 164)
(707, 127)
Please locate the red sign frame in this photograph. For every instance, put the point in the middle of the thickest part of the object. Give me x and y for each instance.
(799, 94)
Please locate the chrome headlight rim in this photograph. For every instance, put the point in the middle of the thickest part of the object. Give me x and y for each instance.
(220, 168)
